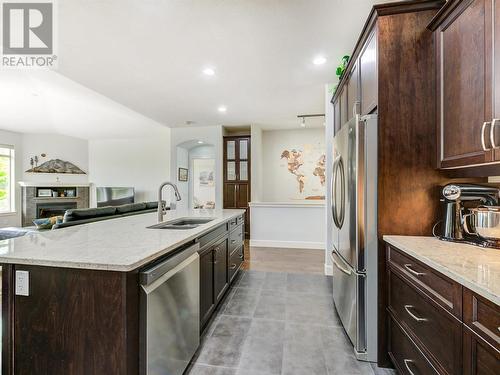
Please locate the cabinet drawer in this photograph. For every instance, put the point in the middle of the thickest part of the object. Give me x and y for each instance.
(236, 238)
(483, 317)
(441, 289)
(211, 236)
(432, 327)
(235, 261)
(405, 355)
(233, 223)
(240, 220)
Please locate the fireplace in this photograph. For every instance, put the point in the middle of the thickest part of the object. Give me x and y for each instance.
(37, 206)
(47, 210)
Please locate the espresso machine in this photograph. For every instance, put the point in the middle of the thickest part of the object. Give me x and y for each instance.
(466, 209)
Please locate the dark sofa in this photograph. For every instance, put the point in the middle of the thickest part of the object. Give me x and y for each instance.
(90, 215)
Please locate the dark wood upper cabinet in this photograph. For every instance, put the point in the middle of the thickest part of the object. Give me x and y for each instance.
(352, 84)
(343, 106)
(368, 76)
(463, 33)
(336, 116)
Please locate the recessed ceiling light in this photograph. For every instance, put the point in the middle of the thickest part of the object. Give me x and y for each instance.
(209, 71)
(222, 109)
(200, 142)
(319, 60)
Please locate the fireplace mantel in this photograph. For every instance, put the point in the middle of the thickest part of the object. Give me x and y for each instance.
(52, 184)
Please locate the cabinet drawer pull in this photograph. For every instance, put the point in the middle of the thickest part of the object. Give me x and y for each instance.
(492, 132)
(407, 308)
(483, 142)
(233, 266)
(411, 270)
(407, 362)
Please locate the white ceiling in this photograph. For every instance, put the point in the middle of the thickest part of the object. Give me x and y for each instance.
(148, 55)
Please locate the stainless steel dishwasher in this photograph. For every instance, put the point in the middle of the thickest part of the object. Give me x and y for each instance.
(170, 313)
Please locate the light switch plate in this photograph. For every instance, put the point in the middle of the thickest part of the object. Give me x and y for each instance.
(22, 283)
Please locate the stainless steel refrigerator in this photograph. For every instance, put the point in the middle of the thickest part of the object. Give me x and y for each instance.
(354, 212)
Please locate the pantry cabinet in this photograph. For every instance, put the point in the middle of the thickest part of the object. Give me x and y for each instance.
(467, 105)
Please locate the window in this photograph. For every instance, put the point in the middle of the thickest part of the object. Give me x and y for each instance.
(7, 179)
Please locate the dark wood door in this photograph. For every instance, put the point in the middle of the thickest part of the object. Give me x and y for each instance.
(480, 358)
(207, 300)
(368, 76)
(221, 279)
(336, 115)
(352, 85)
(237, 175)
(465, 81)
(343, 106)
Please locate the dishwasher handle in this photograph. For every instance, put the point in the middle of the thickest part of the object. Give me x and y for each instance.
(150, 275)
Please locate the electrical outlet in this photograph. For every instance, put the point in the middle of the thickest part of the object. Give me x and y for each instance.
(22, 283)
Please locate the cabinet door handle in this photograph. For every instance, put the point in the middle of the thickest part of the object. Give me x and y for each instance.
(418, 319)
(483, 142)
(492, 132)
(407, 362)
(233, 266)
(355, 108)
(233, 241)
(411, 270)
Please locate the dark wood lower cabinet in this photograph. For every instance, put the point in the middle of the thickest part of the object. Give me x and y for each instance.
(207, 300)
(480, 358)
(220, 261)
(427, 334)
(407, 358)
(68, 314)
(221, 279)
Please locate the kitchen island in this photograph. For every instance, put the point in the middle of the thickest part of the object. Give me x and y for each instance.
(80, 311)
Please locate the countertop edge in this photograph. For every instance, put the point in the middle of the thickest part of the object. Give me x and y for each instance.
(470, 284)
(119, 268)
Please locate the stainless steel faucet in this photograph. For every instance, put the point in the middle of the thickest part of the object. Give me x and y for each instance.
(162, 210)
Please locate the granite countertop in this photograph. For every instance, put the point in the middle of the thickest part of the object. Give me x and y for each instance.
(474, 267)
(121, 244)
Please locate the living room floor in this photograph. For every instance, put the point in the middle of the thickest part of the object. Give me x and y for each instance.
(278, 323)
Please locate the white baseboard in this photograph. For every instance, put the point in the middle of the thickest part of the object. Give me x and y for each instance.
(328, 270)
(288, 244)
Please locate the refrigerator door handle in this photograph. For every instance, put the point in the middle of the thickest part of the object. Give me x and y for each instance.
(338, 165)
(334, 195)
(342, 191)
(342, 266)
(339, 267)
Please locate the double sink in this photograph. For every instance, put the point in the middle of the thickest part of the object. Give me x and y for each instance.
(182, 223)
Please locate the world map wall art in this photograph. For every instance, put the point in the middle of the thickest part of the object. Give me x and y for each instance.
(306, 167)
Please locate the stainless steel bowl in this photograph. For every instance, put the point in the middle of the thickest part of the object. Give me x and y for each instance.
(485, 222)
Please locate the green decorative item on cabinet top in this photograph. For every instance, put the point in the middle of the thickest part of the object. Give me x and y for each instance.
(343, 65)
(341, 68)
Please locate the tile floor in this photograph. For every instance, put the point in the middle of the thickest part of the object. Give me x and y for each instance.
(277, 323)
